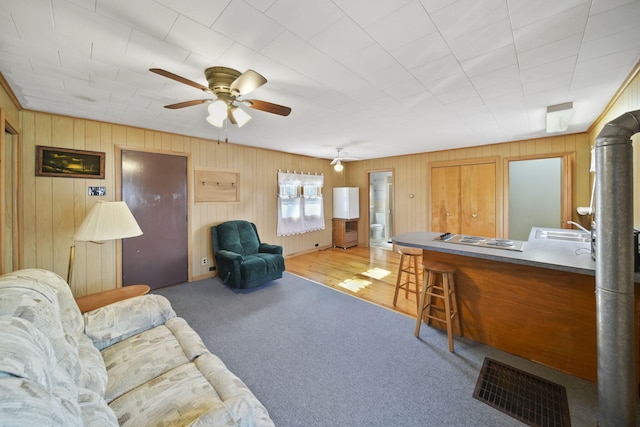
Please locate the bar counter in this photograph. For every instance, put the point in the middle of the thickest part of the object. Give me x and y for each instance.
(538, 304)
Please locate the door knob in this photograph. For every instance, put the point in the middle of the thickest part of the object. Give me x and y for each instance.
(474, 215)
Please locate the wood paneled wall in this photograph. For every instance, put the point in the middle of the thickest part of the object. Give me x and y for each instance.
(626, 100)
(52, 208)
(411, 177)
(55, 207)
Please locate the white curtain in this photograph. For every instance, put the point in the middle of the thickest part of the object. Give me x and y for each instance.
(300, 203)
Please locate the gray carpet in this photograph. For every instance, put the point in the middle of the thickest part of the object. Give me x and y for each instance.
(317, 357)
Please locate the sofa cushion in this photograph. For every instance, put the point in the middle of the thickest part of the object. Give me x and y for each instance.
(27, 403)
(112, 323)
(31, 379)
(30, 306)
(215, 397)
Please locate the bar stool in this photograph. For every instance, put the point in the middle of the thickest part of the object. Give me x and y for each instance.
(446, 292)
(409, 267)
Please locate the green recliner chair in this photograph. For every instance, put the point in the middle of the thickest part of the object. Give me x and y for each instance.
(242, 260)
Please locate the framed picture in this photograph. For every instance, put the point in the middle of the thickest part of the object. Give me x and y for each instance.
(69, 163)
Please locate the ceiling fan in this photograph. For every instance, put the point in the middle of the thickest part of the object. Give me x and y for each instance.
(342, 156)
(227, 85)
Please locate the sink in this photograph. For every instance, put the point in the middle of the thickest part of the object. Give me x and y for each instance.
(566, 235)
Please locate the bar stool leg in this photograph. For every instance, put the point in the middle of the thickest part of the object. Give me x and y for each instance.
(447, 308)
(416, 277)
(427, 284)
(399, 280)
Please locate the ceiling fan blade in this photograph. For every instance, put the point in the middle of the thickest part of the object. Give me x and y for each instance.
(268, 107)
(180, 79)
(247, 82)
(186, 104)
(232, 119)
(334, 161)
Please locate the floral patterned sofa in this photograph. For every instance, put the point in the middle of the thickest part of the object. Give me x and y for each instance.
(131, 363)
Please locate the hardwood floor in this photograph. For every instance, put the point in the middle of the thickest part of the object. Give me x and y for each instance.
(367, 273)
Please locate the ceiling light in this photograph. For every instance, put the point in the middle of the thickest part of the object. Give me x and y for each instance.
(558, 117)
(214, 121)
(218, 109)
(338, 166)
(240, 116)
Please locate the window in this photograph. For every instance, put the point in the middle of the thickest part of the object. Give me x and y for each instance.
(300, 203)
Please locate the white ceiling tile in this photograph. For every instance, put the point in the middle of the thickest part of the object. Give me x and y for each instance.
(369, 75)
(457, 93)
(465, 16)
(483, 40)
(307, 21)
(130, 12)
(599, 6)
(203, 11)
(554, 51)
(564, 66)
(402, 26)
(504, 76)
(432, 6)
(421, 51)
(261, 5)
(366, 12)
(612, 21)
(437, 70)
(373, 57)
(593, 72)
(490, 61)
(143, 51)
(527, 12)
(624, 40)
(247, 25)
(557, 27)
(558, 83)
(342, 39)
(389, 78)
(197, 38)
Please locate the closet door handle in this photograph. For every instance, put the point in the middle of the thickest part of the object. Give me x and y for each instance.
(474, 215)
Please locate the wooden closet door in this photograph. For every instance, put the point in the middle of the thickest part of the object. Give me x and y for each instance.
(445, 199)
(478, 199)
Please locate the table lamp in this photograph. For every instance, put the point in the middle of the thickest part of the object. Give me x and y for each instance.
(105, 221)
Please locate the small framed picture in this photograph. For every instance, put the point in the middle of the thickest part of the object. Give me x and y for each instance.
(69, 163)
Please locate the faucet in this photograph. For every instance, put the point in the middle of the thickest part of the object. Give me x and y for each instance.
(579, 226)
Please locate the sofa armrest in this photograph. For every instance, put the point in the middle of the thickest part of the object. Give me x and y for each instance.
(115, 322)
(270, 249)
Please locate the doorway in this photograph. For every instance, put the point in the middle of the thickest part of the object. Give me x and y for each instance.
(539, 194)
(154, 186)
(10, 161)
(381, 209)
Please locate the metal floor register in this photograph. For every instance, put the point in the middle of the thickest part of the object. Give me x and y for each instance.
(523, 396)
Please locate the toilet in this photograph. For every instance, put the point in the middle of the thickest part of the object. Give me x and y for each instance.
(377, 229)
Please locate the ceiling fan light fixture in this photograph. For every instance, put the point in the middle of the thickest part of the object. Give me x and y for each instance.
(241, 117)
(338, 166)
(215, 121)
(218, 110)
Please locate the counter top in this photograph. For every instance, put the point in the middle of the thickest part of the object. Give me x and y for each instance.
(573, 257)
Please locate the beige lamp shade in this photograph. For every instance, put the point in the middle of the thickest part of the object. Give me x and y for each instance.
(107, 221)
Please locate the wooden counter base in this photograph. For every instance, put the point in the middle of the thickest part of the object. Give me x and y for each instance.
(543, 315)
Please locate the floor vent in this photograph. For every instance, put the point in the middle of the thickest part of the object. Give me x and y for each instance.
(528, 398)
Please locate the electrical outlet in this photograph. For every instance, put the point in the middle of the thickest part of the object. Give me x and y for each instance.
(204, 261)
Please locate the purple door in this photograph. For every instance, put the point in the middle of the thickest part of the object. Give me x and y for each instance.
(154, 186)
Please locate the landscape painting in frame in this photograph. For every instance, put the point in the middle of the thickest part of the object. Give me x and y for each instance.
(69, 163)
